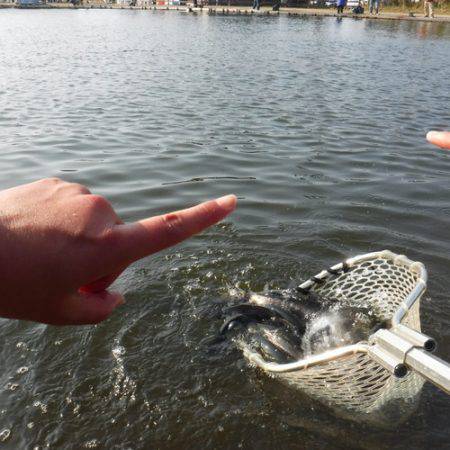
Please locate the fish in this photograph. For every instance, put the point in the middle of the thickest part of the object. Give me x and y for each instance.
(285, 326)
(250, 312)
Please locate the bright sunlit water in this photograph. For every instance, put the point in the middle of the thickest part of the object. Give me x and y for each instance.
(318, 126)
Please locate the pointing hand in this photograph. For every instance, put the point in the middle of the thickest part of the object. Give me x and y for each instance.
(61, 247)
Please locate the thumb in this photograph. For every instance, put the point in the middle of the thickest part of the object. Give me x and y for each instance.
(83, 308)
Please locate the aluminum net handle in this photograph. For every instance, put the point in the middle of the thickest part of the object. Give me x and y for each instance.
(402, 346)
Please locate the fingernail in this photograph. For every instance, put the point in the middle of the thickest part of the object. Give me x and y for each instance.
(227, 202)
(433, 135)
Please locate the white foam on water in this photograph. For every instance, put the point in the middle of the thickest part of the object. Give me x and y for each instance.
(12, 386)
(123, 385)
(5, 434)
(93, 443)
(42, 406)
(328, 330)
(22, 370)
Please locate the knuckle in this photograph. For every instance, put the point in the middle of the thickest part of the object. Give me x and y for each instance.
(173, 224)
(52, 180)
(110, 238)
(93, 219)
(97, 203)
(80, 188)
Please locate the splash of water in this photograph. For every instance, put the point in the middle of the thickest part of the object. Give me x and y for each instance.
(284, 328)
(327, 331)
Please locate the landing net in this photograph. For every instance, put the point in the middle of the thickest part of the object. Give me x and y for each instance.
(352, 376)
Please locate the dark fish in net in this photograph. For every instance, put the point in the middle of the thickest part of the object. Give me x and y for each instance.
(284, 326)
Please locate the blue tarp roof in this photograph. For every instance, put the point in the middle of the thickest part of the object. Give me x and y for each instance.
(29, 2)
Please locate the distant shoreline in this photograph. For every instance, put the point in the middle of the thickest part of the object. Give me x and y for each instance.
(240, 10)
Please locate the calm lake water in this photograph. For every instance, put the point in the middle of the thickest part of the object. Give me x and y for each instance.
(318, 126)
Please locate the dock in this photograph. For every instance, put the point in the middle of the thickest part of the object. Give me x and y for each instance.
(314, 12)
(243, 11)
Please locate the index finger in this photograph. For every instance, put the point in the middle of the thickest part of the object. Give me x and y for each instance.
(148, 236)
(439, 138)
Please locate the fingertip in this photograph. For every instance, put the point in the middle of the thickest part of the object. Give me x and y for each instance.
(433, 135)
(117, 298)
(227, 202)
(86, 308)
(102, 306)
(107, 301)
(439, 138)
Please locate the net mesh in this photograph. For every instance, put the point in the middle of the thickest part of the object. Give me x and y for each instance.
(357, 382)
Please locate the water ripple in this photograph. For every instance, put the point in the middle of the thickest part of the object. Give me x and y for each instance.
(317, 125)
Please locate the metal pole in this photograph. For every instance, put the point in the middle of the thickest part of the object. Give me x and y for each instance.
(430, 367)
(405, 351)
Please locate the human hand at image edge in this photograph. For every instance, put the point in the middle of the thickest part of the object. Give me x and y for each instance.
(62, 247)
(439, 138)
